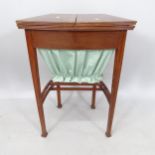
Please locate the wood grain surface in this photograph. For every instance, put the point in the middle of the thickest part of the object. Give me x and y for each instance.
(81, 22)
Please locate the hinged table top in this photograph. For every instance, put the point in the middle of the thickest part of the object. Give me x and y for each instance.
(76, 22)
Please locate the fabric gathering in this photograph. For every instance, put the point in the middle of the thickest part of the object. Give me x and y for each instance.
(81, 66)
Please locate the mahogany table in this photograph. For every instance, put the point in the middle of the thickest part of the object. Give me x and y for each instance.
(76, 32)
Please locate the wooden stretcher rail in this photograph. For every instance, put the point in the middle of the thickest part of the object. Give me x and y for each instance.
(58, 86)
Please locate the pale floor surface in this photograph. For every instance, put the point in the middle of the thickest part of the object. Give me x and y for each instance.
(76, 129)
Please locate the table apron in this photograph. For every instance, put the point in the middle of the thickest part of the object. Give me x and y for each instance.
(76, 39)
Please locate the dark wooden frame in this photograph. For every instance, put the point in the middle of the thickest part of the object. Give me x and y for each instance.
(81, 33)
(37, 39)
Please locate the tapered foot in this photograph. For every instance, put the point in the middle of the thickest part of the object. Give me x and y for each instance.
(93, 106)
(59, 106)
(108, 134)
(44, 134)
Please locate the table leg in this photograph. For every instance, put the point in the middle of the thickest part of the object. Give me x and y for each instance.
(36, 80)
(59, 96)
(93, 97)
(115, 82)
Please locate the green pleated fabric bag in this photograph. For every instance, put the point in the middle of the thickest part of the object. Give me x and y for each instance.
(76, 65)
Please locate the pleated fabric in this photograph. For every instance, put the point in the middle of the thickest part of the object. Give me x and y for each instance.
(76, 65)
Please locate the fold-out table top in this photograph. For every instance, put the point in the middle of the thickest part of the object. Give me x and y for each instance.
(73, 22)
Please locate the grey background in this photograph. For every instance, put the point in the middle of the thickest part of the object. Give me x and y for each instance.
(76, 129)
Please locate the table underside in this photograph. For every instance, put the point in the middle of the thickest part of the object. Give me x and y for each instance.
(76, 40)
